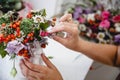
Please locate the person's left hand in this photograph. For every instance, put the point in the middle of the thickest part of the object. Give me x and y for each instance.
(40, 72)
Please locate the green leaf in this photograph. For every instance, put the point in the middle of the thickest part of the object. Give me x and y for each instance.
(36, 33)
(43, 12)
(4, 19)
(44, 26)
(3, 53)
(50, 57)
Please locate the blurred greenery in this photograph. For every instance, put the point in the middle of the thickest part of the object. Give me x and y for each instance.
(7, 5)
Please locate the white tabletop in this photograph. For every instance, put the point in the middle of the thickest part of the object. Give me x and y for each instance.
(72, 65)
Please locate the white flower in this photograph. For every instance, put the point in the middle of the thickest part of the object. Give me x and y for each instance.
(99, 12)
(82, 27)
(103, 41)
(91, 17)
(100, 36)
(38, 19)
(89, 32)
(117, 27)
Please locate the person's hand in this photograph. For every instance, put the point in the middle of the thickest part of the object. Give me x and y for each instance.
(40, 72)
(67, 25)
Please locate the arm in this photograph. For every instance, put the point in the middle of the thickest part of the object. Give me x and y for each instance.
(107, 54)
(100, 52)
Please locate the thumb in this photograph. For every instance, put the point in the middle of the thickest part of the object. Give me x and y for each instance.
(47, 61)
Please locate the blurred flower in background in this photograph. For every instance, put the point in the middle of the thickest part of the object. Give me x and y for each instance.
(20, 6)
(96, 23)
(10, 5)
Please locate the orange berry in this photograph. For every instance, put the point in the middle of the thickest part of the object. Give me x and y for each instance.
(18, 23)
(43, 45)
(18, 29)
(25, 51)
(6, 40)
(29, 35)
(32, 33)
(18, 34)
(1, 35)
(3, 24)
(14, 26)
(54, 19)
(9, 37)
(29, 15)
(31, 38)
(12, 36)
(25, 41)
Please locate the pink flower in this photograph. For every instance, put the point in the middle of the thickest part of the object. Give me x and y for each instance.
(105, 24)
(81, 20)
(43, 33)
(116, 18)
(105, 14)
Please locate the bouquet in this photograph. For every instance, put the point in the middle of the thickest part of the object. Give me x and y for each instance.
(96, 23)
(24, 37)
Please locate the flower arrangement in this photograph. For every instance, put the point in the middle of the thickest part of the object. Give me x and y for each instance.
(17, 33)
(96, 23)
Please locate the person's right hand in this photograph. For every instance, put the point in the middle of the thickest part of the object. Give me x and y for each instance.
(67, 25)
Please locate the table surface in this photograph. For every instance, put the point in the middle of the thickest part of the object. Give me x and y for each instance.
(72, 65)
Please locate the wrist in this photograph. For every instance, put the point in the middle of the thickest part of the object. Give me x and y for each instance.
(79, 45)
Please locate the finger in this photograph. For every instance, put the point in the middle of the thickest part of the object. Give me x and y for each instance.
(31, 78)
(47, 61)
(27, 72)
(66, 17)
(60, 39)
(63, 26)
(34, 67)
(23, 69)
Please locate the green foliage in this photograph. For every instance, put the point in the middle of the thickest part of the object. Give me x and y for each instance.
(3, 53)
(44, 26)
(36, 33)
(43, 12)
(26, 26)
(4, 19)
(9, 5)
